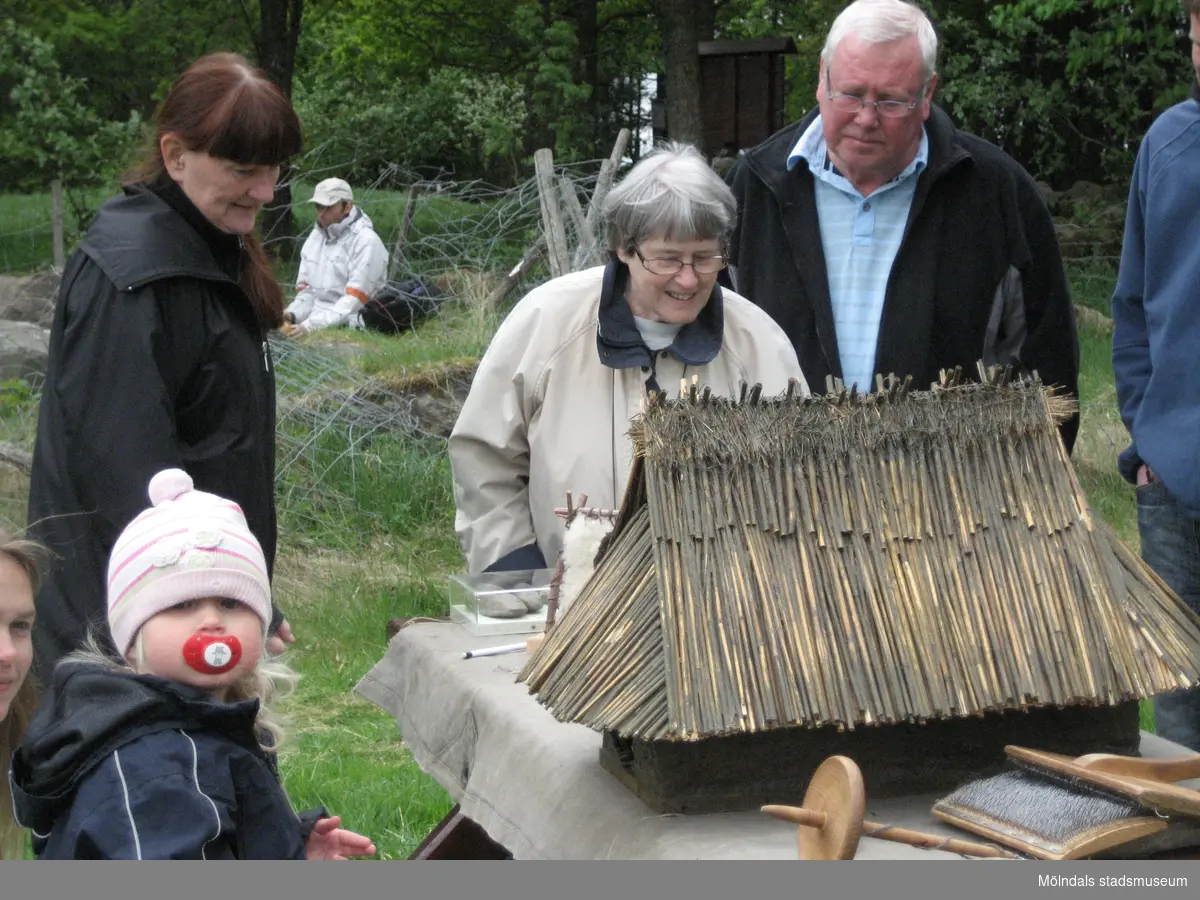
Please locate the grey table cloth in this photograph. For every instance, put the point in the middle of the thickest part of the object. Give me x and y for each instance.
(536, 785)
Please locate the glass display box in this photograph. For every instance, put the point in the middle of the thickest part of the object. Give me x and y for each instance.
(501, 602)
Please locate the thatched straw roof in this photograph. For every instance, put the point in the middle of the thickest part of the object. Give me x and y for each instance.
(844, 560)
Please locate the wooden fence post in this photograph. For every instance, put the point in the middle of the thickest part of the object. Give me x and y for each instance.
(510, 280)
(552, 223)
(591, 250)
(410, 209)
(56, 214)
(553, 239)
(573, 210)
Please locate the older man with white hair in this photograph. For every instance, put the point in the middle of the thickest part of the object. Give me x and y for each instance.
(883, 239)
(342, 266)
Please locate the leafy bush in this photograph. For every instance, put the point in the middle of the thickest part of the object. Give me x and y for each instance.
(47, 128)
(16, 398)
(1067, 87)
(467, 125)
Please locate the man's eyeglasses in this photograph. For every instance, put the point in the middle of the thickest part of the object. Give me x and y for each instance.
(889, 109)
(665, 265)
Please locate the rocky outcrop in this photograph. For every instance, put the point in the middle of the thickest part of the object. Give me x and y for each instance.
(29, 298)
(422, 400)
(24, 348)
(430, 396)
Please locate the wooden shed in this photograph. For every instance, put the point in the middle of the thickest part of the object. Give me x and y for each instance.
(741, 93)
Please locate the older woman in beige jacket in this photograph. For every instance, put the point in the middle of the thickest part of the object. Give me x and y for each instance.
(550, 406)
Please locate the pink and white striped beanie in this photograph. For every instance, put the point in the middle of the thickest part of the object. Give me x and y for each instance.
(187, 546)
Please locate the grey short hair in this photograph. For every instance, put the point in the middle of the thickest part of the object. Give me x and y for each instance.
(672, 193)
(880, 21)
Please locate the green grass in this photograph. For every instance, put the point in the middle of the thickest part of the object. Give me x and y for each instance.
(383, 486)
(345, 752)
(1092, 283)
(1102, 435)
(26, 232)
(462, 330)
(390, 485)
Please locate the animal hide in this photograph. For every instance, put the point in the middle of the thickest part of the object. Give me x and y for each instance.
(580, 544)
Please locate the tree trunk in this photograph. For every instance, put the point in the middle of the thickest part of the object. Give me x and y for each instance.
(679, 36)
(706, 19)
(584, 14)
(538, 133)
(279, 23)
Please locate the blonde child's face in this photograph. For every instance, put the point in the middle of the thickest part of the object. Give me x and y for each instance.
(164, 635)
(16, 631)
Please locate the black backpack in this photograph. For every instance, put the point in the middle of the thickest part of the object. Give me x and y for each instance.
(400, 305)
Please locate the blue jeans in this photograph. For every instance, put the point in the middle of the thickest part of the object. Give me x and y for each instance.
(1171, 547)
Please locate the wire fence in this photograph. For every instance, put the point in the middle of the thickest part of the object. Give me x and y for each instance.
(438, 224)
(362, 454)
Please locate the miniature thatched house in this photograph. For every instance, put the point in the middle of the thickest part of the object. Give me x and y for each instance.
(844, 561)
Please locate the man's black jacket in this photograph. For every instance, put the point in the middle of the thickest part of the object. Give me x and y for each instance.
(978, 274)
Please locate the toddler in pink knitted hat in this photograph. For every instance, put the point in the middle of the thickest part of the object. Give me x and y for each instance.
(167, 753)
(188, 575)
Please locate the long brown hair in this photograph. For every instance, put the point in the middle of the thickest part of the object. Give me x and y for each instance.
(226, 108)
(29, 556)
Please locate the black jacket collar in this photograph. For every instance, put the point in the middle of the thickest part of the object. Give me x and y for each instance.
(620, 344)
(226, 248)
(767, 160)
(148, 233)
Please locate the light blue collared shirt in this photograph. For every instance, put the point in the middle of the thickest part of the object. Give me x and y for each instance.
(860, 236)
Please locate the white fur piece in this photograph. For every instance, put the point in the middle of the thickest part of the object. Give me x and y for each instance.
(580, 544)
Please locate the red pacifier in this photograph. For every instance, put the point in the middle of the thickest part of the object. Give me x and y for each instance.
(212, 654)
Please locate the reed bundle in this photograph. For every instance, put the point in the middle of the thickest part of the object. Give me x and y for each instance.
(604, 661)
(852, 560)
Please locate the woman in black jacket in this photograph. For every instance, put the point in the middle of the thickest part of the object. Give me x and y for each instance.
(158, 352)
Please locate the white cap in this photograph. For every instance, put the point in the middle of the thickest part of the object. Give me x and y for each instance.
(332, 191)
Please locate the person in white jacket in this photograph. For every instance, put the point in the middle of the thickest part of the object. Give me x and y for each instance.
(550, 405)
(342, 266)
